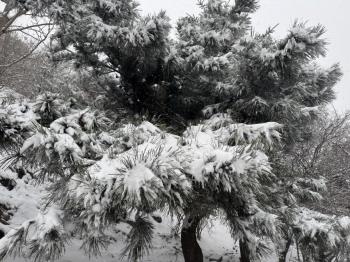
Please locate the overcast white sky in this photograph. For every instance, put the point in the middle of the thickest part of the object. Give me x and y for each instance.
(334, 15)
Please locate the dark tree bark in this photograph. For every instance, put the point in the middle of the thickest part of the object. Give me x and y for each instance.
(283, 255)
(190, 248)
(243, 243)
(244, 251)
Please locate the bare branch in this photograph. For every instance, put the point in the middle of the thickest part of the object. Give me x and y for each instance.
(11, 21)
(27, 54)
(21, 28)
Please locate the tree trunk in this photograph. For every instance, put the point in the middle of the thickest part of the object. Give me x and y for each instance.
(244, 251)
(191, 250)
(283, 255)
(243, 243)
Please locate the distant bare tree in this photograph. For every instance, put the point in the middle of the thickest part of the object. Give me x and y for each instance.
(326, 154)
(36, 30)
(323, 154)
(37, 73)
(20, 76)
(332, 160)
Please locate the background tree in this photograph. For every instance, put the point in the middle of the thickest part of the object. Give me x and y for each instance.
(22, 77)
(37, 29)
(22, 64)
(321, 163)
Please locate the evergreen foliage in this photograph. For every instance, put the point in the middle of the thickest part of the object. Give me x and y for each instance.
(251, 91)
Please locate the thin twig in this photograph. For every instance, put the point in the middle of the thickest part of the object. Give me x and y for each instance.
(11, 21)
(21, 28)
(27, 54)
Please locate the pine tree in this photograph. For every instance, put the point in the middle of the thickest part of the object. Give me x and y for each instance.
(127, 51)
(217, 63)
(144, 171)
(217, 67)
(205, 51)
(252, 76)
